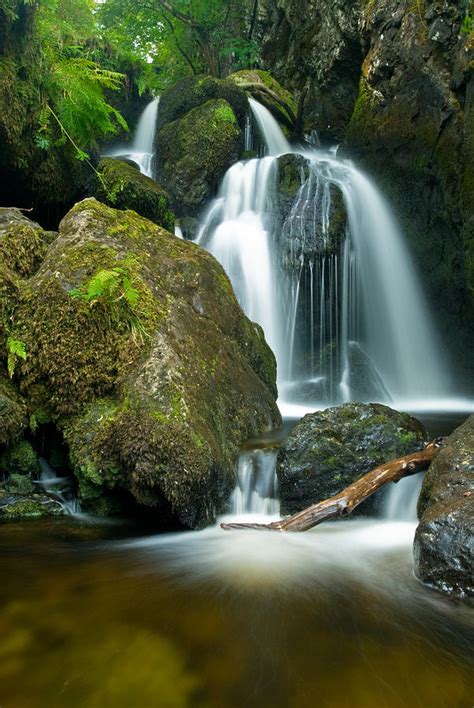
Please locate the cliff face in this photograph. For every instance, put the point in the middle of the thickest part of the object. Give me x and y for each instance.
(392, 80)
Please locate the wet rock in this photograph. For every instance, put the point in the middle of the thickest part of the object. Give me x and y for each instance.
(17, 506)
(444, 540)
(328, 450)
(140, 352)
(195, 151)
(123, 187)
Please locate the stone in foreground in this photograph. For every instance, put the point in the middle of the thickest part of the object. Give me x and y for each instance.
(444, 540)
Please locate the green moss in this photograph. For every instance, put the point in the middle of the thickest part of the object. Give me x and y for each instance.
(123, 187)
(285, 108)
(195, 152)
(13, 418)
(20, 459)
(29, 509)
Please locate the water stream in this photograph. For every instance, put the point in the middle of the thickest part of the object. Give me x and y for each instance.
(142, 149)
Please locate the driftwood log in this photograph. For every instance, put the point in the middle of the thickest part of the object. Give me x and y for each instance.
(345, 502)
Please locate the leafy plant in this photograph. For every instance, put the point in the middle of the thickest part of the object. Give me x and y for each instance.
(16, 350)
(114, 291)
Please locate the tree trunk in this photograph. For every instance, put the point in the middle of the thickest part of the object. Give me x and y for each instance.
(346, 501)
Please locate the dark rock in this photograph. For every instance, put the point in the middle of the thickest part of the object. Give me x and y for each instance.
(155, 391)
(195, 151)
(122, 186)
(328, 450)
(444, 540)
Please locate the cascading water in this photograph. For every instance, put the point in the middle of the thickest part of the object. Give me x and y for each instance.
(256, 490)
(329, 279)
(59, 487)
(142, 151)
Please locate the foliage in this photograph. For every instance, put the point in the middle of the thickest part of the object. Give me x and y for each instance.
(16, 350)
(73, 87)
(184, 36)
(115, 293)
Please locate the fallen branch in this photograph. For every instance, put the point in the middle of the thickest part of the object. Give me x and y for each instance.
(345, 502)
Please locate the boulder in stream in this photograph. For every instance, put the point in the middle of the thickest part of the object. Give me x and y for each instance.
(444, 540)
(328, 450)
(139, 351)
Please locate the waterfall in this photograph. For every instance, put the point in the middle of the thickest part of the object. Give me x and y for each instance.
(142, 149)
(330, 280)
(59, 487)
(256, 489)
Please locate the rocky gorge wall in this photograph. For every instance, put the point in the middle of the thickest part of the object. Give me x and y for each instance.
(391, 80)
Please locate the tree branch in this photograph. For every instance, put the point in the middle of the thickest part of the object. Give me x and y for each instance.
(349, 499)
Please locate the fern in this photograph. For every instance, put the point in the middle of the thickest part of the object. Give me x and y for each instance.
(114, 290)
(16, 350)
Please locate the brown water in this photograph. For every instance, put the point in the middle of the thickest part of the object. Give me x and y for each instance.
(333, 618)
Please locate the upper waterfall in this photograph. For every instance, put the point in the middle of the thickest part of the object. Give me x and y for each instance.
(142, 148)
(346, 315)
(272, 135)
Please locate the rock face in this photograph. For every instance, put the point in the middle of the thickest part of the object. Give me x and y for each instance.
(22, 504)
(393, 81)
(123, 187)
(444, 540)
(328, 450)
(137, 349)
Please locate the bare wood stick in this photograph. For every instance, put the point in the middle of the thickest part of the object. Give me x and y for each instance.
(345, 502)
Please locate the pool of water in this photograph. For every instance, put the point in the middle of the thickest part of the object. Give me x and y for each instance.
(98, 614)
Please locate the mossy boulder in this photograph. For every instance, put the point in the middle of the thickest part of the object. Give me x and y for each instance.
(444, 539)
(20, 459)
(194, 91)
(195, 151)
(328, 450)
(19, 484)
(23, 245)
(13, 412)
(122, 186)
(155, 383)
(262, 86)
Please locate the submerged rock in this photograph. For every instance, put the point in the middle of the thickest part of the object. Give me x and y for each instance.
(140, 352)
(444, 539)
(122, 186)
(195, 151)
(328, 450)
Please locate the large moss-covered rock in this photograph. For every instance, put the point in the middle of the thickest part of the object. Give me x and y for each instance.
(124, 187)
(194, 91)
(444, 540)
(157, 382)
(262, 86)
(195, 151)
(328, 450)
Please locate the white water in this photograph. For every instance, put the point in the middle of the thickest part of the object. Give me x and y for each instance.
(346, 322)
(256, 489)
(60, 487)
(141, 151)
